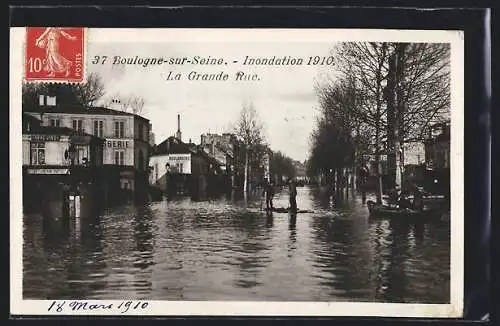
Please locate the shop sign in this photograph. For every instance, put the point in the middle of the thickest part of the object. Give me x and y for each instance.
(42, 138)
(126, 174)
(82, 140)
(48, 171)
(117, 143)
(179, 157)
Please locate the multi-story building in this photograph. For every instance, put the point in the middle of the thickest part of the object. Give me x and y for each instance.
(179, 168)
(437, 158)
(229, 152)
(126, 146)
(53, 156)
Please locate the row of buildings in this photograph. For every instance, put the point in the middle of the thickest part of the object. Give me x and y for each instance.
(426, 163)
(110, 156)
(216, 164)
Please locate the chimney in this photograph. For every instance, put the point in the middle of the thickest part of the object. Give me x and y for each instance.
(178, 134)
(115, 104)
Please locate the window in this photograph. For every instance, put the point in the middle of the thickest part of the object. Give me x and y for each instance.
(37, 153)
(99, 128)
(78, 125)
(55, 122)
(119, 129)
(181, 167)
(156, 171)
(120, 157)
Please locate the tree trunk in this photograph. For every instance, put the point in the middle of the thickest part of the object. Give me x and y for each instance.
(346, 180)
(245, 180)
(336, 178)
(400, 110)
(392, 124)
(398, 164)
(354, 181)
(377, 162)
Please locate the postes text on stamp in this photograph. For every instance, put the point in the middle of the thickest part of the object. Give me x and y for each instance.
(55, 54)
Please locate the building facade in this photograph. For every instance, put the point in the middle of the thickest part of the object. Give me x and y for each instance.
(230, 154)
(54, 159)
(437, 159)
(126, 150)
(178, 168)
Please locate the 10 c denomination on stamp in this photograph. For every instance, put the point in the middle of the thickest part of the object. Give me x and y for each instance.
(55, 54)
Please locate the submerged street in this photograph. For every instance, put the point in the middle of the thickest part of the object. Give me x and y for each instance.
(228, 249)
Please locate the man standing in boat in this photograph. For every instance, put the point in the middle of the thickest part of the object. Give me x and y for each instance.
(292, 189)
(269, 193)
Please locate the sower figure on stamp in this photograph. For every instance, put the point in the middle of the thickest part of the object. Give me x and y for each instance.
(54, 61)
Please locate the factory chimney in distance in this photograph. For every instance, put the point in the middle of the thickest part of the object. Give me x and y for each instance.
(178, 134)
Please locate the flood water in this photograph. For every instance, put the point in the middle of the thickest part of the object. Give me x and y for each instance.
(228, 249)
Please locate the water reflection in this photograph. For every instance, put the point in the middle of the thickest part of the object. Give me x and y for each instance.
(269, 219)
(229, 249)
(293, 233)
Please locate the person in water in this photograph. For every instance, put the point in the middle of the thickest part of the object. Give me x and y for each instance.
(292, 189)
(394, 194)
(418, 201)
(269, 193)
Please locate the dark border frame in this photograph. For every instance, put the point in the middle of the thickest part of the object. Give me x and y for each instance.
(476, 26)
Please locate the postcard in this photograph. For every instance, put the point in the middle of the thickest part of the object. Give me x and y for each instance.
(236, 172)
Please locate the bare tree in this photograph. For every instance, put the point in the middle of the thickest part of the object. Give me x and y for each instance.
(128, 103)
(249, 129)
(401, 89)
(418, 94)
(84, 94)
(30, 95)
(137, 104)
(366, 64)
(91, 91)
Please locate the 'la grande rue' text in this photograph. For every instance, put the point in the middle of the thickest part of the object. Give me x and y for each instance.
(220, 76)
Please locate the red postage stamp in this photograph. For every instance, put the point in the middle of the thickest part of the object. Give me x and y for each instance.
(55, 54)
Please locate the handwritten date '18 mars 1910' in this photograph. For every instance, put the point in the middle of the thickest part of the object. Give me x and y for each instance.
(87, 306)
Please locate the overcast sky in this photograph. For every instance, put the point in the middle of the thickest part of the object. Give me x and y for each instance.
(284, 97)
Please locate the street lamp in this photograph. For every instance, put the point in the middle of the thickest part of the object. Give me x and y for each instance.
(70, 154)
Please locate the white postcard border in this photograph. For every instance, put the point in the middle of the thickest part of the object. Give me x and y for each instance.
(19, 306)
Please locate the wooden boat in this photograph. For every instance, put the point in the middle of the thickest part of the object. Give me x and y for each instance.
(389, 212)
(286, 210)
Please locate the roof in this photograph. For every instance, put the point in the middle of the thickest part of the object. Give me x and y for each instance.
(30, 118)
(98, 110)
(62, 131)
(171, 145)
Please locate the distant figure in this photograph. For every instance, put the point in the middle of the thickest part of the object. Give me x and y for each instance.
(269, 193)
(403, 201)
(292, 188)
(418, 201)
(394, 195)
(407, 189)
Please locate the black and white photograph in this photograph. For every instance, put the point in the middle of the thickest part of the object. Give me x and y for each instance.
(257, 171)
